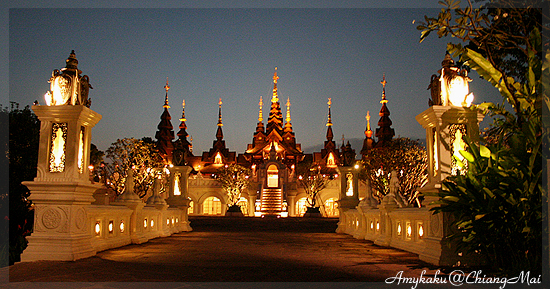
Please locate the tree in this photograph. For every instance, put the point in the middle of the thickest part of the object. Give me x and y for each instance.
(234, 179)
(313, 181)
(407, 157)
(497, 203)
(96, 159)
(130, 153)
(501, 37)
(24, 137)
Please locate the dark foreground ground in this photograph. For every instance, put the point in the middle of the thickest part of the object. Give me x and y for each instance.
(231, 250)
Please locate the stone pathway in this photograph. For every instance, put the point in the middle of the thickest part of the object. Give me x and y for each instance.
(233, 250)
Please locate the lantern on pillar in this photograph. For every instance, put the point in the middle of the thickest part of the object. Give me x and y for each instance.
(62, 189)
(447, 121)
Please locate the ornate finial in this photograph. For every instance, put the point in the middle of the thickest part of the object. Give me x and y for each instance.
(448, 60)
(343, 140)
(260, 115)
(220, 113)
(166, 87)
(383, 82)
(329, 121)
(183, 111)
(275, 97)
(288, 110)
(72, 62)
(275, 77)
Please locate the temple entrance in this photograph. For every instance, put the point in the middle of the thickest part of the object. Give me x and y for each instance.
(272, 176)
(272, 193)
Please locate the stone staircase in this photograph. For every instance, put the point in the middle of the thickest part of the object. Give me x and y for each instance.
(271, 202)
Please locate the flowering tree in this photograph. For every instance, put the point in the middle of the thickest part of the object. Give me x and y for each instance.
(138, 155)
(234, 179)
(407, 157)
(313, 181)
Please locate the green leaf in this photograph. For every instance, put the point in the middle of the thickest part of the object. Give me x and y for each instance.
(479, 216)
(459, 162)
(488, 192)
(451, 198)
(424, 34)
(486, 70)
(468, 156)
(484, 151)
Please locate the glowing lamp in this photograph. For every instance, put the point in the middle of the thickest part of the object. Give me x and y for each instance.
(121, 227)
(97, 228)
(177, 190)
(454, 89)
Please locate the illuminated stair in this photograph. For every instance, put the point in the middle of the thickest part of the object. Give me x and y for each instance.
(272, 202)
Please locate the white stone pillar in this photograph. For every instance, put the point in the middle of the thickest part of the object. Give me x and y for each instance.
(251, 203)
(178, 194)
(349, 197)
(443, 124)
(62, 190)
(291, 205)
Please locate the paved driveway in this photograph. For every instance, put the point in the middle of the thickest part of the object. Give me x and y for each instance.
(223, 249)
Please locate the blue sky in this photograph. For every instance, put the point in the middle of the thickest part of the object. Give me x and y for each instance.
(231, 53)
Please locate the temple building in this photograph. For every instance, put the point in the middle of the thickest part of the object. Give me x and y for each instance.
(273, 157)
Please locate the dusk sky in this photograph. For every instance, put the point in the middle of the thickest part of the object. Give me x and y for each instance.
(231, 54)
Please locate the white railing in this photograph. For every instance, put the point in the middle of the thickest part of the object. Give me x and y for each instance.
(415, 230)
(112, 226)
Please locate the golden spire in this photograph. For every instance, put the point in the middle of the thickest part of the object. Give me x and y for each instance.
(368, 120)
(166, 87)
(261, 115)
(183, 111)
(383, 82)
(329, 121)
(275, 77)
(220, 113)
(368, 132)
(275, 97)
(288, 125)
(288, 110)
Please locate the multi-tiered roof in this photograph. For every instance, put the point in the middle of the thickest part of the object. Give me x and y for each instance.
(275, 134)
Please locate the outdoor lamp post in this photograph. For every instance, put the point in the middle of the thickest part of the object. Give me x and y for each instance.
(62, 187)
